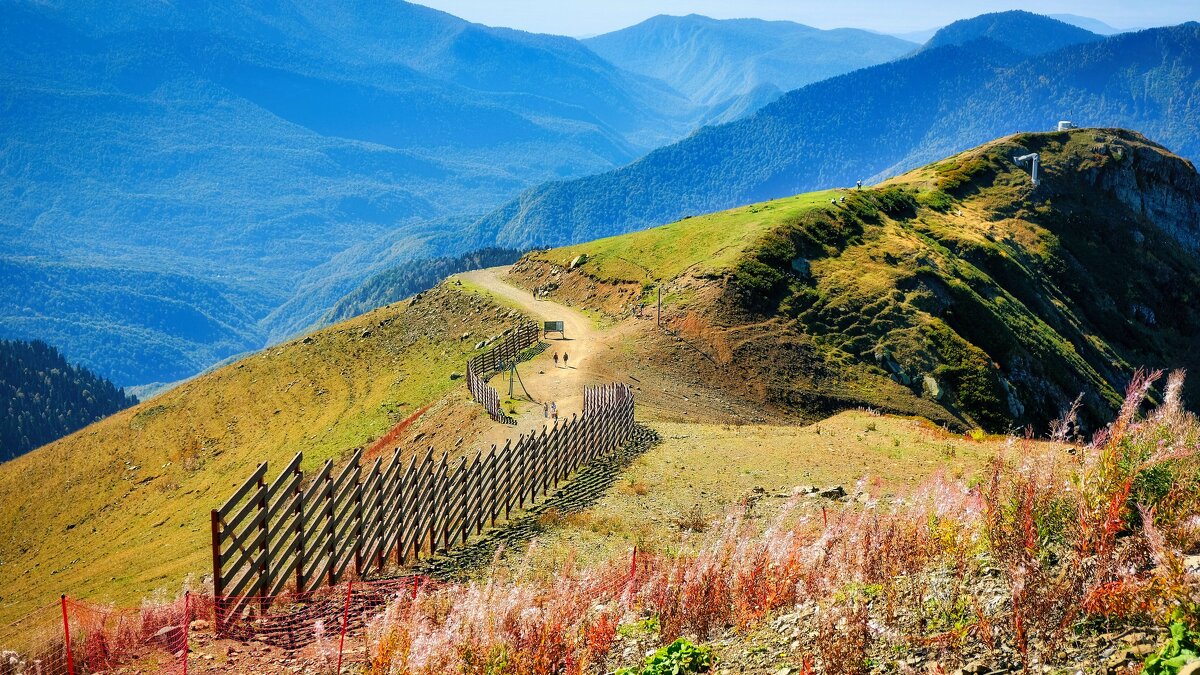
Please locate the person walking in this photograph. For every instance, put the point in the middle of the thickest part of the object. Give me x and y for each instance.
(565, 357)
(554, 411)
(555, 359)
(546, 410)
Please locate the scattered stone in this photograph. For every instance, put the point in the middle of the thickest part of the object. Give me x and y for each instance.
(932, 387)
(199, 625)
(169, 636)
(456, 375)
(836, 492)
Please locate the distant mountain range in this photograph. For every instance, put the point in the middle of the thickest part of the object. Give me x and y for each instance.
(1087, 23)
(169, 151)
(184, 182)
(736, 65)
(880, 121)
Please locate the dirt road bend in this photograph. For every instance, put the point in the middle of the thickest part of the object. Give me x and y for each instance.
(546, 382)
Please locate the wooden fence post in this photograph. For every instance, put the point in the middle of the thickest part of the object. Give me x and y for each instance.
(218, 578)
(504, 478)
(264, 566)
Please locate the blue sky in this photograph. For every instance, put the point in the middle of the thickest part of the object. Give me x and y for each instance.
(585, 17)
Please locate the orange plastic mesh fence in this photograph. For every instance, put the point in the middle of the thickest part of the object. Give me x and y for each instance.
(36, 645)
(295, 620)
(326, 625)
(104, 637)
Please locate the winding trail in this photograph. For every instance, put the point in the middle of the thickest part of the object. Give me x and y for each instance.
(583, 342)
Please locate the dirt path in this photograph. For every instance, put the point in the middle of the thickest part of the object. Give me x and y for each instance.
(563, 385)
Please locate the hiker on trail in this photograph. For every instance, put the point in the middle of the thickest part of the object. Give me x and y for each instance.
(554, 410)
(565, 357)
(859, 185)
(546, 410)
(555, 359)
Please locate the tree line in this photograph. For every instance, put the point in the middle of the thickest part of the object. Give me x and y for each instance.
(45, 397)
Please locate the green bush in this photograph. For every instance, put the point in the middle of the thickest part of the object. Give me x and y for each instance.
(954, 175)
(936, 199)
(757, 278)
(678, 658)
(1180, 649)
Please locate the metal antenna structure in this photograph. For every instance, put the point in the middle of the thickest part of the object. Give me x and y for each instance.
(1036, 161)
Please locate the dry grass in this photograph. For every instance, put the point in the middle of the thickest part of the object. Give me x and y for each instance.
(120, 509)
(722, 466)
(874, 580)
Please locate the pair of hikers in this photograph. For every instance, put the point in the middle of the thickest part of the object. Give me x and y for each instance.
(550, 410)
(565, 356)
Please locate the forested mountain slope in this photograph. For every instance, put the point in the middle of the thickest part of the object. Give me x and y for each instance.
(44, 398)
(162, 152)
(875, 123)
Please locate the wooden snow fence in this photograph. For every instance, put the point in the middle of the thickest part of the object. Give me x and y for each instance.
(299, 532)
(483, 367)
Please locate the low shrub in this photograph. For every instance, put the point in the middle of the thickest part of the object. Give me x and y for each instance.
(1068, 541)
(678, 658)
(1181, 647)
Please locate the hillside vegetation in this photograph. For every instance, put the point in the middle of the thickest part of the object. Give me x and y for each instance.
(120, 509)
(876, 123)
(46, 398)
(957, 287)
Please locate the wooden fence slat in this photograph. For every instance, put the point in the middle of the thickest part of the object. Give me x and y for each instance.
(252, 505)
(290, 470)
(243, 490)
(234, 558)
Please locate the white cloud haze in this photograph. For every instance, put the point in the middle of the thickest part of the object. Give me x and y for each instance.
(576, 17)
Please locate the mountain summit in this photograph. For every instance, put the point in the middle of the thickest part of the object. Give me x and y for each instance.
(1021, 31)
(959, 292)
(715, 60)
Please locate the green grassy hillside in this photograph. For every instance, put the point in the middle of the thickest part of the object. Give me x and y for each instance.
(958, 286)
(120, 509)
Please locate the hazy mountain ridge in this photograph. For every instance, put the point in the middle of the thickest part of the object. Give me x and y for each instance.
(878, 122)
(1022, 31)
(720, 62)
(242, 145)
